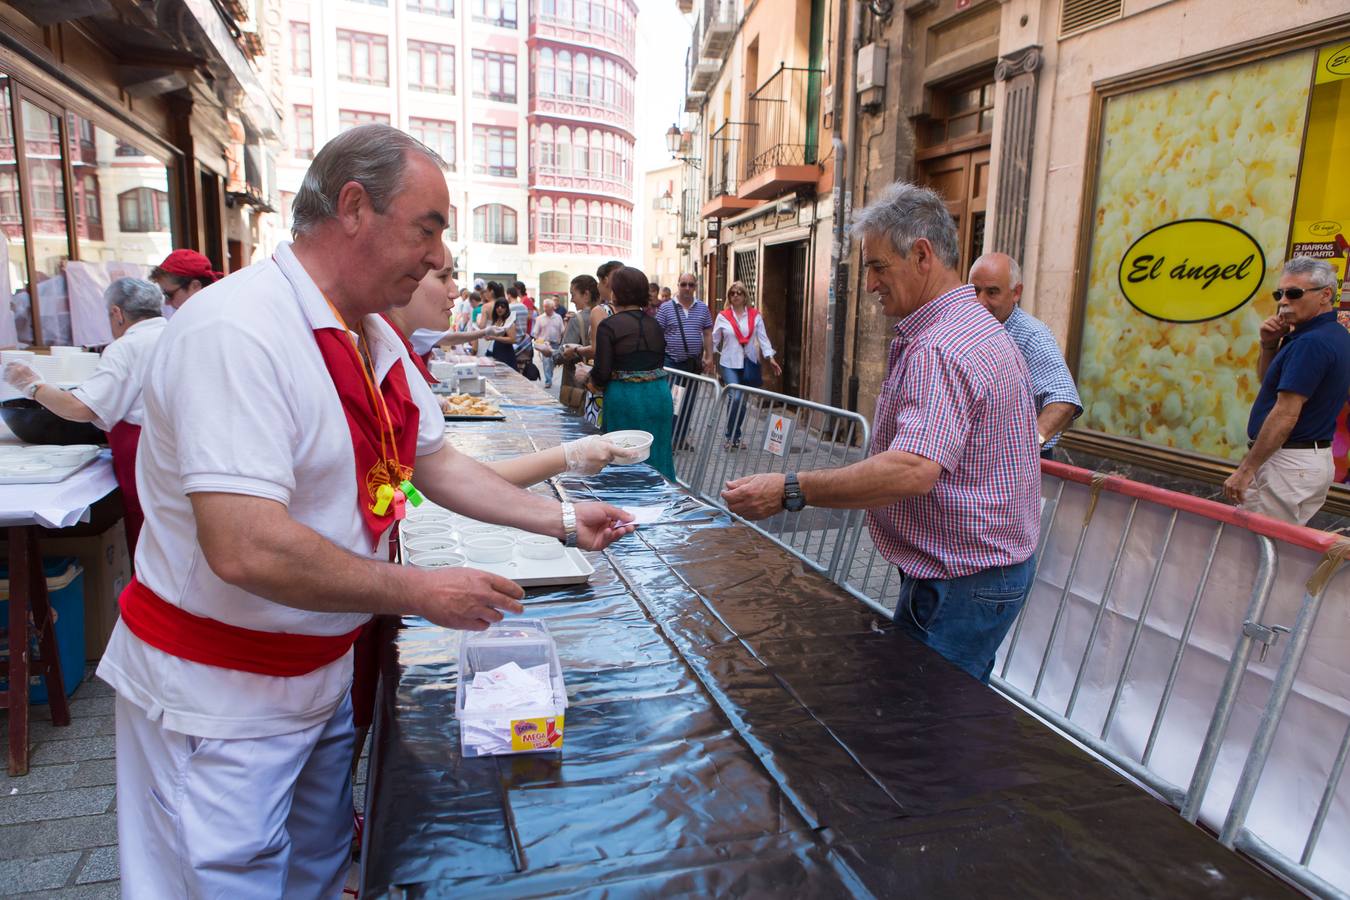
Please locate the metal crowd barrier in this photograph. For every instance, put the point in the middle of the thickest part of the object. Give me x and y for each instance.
(774, 433)
(1148, 661)
(695, 398)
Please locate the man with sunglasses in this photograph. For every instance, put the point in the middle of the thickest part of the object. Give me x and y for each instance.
(1304, 369)
(688, 327)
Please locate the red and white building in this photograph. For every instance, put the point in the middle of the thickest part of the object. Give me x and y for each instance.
(581, 119)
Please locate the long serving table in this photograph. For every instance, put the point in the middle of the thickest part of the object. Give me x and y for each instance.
(740, 726)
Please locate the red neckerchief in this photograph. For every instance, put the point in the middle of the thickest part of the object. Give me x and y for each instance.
(730, 315)
(384, 427)
(419, 361)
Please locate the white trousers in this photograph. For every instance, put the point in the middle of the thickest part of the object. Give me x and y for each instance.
(1292, 485)
(254, 817)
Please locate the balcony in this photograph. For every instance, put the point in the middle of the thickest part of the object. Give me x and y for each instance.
(619, 42)
(782, 137)
(724, 169)
(689, 213)
(718, 26)
(567, 106)
(693, 101)
(568, 181)
(699, 73)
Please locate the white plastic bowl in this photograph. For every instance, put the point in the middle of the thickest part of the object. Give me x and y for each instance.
(412, 528)
(539, 546)
(490, 548)
(481, 529)
(443, 560)
(431, 543)
(26, 469)
(633, 440)
(65, 458)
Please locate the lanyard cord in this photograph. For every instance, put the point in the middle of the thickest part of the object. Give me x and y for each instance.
(385, 421)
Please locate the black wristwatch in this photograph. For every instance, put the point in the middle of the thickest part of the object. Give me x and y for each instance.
(793, 499)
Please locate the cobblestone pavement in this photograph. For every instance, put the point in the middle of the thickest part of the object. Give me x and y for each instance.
(58, 823)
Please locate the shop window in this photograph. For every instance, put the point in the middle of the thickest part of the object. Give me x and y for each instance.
(494, 223)
(494, 151)
(501, 13)
(362, 58)
(350, 118)
(494, 76)
(142, 210)
(434, 7)
(300, 51)
(437, 134)
(431, 67)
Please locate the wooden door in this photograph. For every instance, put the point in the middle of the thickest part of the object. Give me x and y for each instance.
(963, 181)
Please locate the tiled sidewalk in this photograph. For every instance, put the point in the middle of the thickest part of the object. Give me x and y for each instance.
(58, 824)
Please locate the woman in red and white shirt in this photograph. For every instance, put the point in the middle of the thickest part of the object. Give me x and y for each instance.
(742, 347)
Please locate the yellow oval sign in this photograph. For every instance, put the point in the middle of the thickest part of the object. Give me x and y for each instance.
(1192, 270)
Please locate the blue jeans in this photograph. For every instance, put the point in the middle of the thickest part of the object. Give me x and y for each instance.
(736, 411)
(965, 619)
(547, 360)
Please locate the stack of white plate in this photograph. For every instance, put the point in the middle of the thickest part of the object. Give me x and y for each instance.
(51, 368)
(19, 356)
(79, 366)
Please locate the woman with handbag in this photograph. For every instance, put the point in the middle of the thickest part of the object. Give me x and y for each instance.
(742, 347)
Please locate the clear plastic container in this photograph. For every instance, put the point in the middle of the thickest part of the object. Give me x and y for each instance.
(523, 728)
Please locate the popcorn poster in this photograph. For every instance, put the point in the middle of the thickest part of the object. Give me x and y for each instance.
(1199, 200)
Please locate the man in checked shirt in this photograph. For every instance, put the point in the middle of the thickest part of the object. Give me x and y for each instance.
(952, 483)
(997, 279)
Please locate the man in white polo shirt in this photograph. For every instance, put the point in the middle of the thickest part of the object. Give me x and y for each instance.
(285, 429)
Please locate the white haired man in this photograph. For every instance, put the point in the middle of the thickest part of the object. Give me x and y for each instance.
(1304, 369)
(285, 430)
(997, 279)
(952, 482)
(111, 396)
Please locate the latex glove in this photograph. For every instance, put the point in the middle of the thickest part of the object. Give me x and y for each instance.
(20, 377)
(588, 455)
(496, 330)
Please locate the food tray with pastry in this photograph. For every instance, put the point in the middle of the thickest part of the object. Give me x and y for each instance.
(463, 407)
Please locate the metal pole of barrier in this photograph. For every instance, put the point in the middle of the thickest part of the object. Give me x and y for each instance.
(1181, 646)
(1139, 626)
(1063, 603)
(1237, 668)
(1270, 717)
(1259, 850)
(1333, 780)
(1022, 616)
(1101, 611)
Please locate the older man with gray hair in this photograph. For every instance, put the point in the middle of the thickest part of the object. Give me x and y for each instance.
(997, 279)
(1304, 369)
(952, 483)
(111, 396)
(285, 431)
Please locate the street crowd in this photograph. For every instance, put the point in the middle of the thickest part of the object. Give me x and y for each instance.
(271, 433)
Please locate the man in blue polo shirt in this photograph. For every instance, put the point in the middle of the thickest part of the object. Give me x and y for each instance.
(1305, 376)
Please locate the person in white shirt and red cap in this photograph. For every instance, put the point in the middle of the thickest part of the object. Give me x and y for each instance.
(111, 397)
(285, 432)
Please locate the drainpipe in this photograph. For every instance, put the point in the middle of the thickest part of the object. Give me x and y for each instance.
(842, 204)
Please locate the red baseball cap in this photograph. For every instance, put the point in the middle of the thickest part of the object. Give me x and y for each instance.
(190, 264)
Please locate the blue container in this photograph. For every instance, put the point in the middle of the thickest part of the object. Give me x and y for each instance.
(65, 591)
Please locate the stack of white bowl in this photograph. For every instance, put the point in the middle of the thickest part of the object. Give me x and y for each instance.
(79, 366)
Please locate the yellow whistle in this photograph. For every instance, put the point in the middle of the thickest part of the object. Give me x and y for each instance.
(384, 495)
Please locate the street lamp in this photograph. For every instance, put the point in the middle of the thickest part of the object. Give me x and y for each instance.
(665, 201)
(675, 140)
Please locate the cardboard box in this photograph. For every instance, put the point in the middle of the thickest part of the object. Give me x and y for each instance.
(107, 569)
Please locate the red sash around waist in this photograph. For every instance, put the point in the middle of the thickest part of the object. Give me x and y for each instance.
(198, 639)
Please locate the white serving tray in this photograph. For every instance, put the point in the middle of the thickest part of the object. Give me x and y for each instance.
(570, 568)
(52, 477)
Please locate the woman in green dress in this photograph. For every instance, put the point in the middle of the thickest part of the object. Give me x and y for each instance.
(629, 354)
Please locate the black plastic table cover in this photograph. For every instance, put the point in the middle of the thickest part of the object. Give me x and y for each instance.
(740, 726)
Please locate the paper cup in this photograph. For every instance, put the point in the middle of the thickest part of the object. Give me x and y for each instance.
(640, 441)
